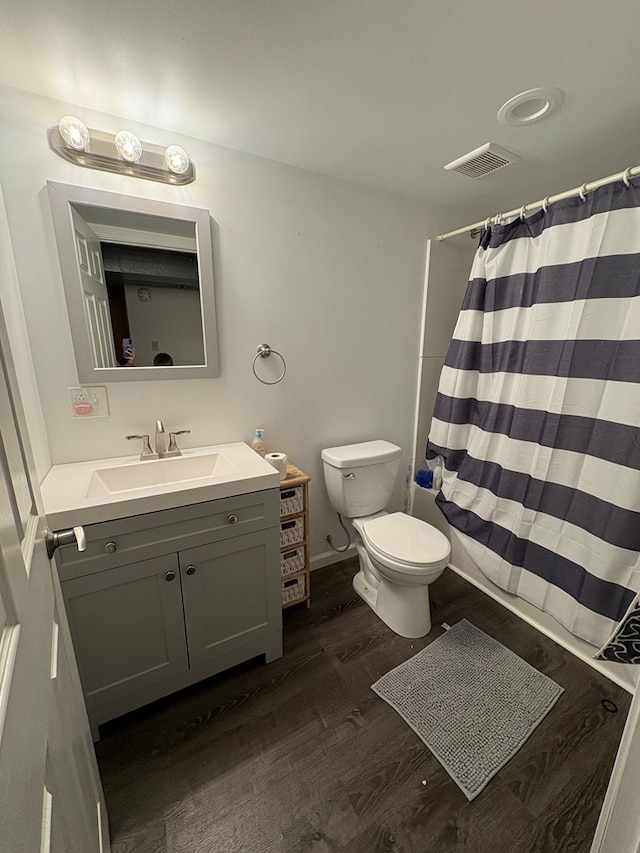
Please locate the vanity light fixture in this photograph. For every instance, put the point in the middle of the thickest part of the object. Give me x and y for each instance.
(176, 159)
(74, 132)
(128, 146)
(123, 153)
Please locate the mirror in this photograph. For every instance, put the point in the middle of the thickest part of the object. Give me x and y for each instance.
(138, 283)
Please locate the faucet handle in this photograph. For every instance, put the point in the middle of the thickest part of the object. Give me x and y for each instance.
(172, 440)
(147, 452)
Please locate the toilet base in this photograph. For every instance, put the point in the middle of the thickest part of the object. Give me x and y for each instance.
(403, 609)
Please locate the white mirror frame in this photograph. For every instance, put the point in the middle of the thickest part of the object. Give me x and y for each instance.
(62, 197)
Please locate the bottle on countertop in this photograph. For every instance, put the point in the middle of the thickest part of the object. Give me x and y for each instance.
(437, 473)
(257, 443)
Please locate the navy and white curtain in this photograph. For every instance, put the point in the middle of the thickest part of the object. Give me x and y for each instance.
(538, 411)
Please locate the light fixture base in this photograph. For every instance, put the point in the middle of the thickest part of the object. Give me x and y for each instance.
(530, 106)
(101, 154)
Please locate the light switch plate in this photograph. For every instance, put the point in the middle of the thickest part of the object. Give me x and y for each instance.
(89, 401)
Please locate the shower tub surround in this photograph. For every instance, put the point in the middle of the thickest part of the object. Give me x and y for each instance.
(537, 410)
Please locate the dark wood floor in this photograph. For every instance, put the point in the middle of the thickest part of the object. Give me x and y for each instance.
(301, 755)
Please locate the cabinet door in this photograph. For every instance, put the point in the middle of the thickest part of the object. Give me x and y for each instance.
(127, 627)
(231, 593)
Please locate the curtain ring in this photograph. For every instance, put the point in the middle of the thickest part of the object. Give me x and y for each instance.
(582, 192)
(625, 177)
(487, 222)
(264, 351)
(545, 203)
(522, 212)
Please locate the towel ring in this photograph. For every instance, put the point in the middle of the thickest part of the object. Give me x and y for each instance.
(582, 192)
(264, 351)
(625, 177)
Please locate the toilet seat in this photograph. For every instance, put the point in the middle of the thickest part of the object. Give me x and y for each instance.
(404, 543)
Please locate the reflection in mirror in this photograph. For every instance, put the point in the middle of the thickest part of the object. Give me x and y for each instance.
(138, 282)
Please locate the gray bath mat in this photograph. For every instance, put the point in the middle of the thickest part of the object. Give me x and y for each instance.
(471, 700)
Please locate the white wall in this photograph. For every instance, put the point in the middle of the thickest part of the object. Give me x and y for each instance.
(327, 272)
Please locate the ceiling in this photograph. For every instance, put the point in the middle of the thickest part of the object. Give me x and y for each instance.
(381, 92)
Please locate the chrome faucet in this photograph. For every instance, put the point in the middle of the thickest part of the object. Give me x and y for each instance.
(161, 439)
(162, 451)
(147, 452)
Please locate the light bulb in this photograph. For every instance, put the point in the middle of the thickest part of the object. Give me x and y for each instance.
(74, 132)
(176, 159)
(128, 146)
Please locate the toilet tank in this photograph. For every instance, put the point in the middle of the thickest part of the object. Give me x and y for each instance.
(360, 477)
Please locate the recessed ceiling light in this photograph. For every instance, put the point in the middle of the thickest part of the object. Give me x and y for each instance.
(530, 106)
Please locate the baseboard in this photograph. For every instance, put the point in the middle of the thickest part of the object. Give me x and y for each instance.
(327, 558)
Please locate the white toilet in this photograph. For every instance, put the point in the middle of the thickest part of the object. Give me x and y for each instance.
(399, 555)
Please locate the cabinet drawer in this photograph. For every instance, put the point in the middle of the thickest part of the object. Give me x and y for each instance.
(128, 540)
(292, 531)
(293, 560)
(293, 590)
(291, 500)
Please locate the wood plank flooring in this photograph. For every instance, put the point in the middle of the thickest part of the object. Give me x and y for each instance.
(300, 755)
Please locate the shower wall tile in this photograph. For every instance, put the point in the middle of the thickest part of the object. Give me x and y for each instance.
(431, 368)
(448, 268)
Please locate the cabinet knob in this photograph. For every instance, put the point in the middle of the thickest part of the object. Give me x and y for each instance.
(110, 547)
(231, 519)
(190, 570)
(170, 576)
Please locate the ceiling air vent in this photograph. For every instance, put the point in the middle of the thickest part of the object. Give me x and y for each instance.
(484, 160)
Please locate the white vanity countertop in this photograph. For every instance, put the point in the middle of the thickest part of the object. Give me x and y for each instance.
(75, 493)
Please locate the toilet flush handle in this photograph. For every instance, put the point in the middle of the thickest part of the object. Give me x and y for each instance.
(350, 476)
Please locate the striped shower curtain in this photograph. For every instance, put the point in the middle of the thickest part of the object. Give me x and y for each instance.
(538, 411)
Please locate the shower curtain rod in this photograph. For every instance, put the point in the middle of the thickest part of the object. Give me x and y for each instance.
(520, 211)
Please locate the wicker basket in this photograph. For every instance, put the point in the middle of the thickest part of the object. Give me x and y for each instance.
(291, 532)
(293, 590)
(292, 561)
(291, 500)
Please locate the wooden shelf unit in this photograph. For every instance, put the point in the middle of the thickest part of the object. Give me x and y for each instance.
(294, 525)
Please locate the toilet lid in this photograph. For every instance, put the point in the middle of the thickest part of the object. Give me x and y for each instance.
(405, 539)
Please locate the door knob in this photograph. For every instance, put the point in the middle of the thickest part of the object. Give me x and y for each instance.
(170, 576)
(190, 570)
(66, 537)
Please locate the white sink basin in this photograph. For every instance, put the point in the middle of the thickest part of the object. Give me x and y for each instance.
(77, 493)
(158, 472)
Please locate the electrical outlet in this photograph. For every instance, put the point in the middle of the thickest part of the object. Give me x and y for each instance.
(89, 401)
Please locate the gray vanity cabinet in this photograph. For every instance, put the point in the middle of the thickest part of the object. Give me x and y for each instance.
(219, 615)
(162, 600)
(127, 627)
